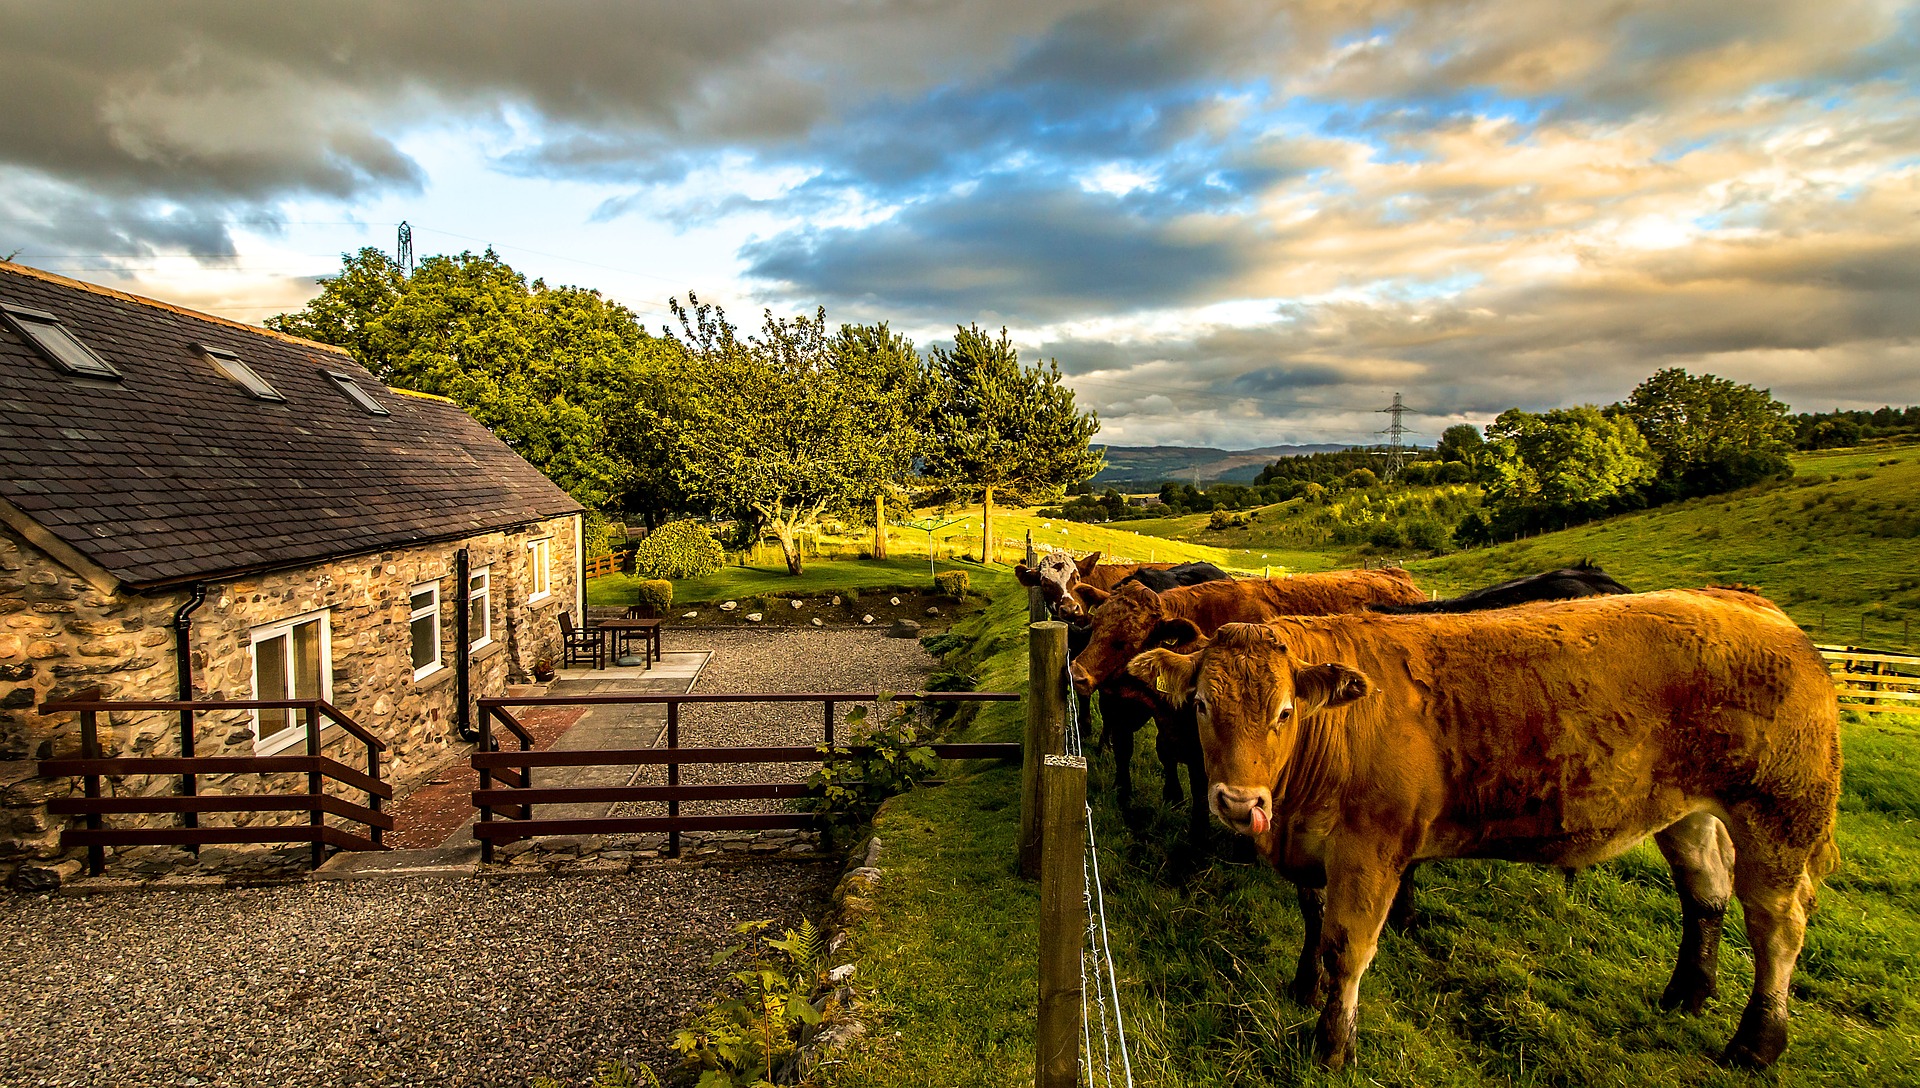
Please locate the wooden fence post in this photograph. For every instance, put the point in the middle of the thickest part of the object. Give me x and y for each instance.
(1036, 601)
(1063, 922)
(1046, 730)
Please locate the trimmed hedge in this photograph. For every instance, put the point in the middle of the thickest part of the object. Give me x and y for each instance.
(678, 549)
(655, 594)
(953, 583)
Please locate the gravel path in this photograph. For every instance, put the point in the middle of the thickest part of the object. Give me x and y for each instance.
(440, 982)
(424, 982)
(797, 659)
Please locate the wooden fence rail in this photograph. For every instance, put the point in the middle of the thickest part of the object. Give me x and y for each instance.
(1873, 680)
(506, 809)
(601, 565)
(188, 803)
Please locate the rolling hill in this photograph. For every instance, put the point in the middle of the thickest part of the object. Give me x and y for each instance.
(1153, 464)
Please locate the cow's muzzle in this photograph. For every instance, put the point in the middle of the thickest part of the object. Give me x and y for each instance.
(1245, 809)
(1082, 683)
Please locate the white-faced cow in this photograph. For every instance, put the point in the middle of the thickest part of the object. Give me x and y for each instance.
(1352, 746)
(1067, 583)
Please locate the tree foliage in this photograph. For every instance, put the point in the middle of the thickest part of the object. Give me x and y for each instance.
(544, 368)
(781, 427)
(1552, 469)
(1001, 426)
(1710, 434)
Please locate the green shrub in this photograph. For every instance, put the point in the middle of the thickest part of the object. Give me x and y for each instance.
(1220, 520)
(655, 595)
(1360, 479)
(1427, 535)
(749, 1034)
(1385, 535)
(886, 756)
(678, 549)
(953, 583)
(612, 1074)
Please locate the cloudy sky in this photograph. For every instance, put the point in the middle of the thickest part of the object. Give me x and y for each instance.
(1233, 224)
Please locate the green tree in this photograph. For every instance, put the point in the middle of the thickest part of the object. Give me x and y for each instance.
(347, 311)
(1001, 426)
(887, 361)
(1558, 468)
(1710, 434)
(546, 369)
(1462, 443)
(786, 425)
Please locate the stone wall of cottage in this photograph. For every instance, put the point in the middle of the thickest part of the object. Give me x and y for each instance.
(60, 636)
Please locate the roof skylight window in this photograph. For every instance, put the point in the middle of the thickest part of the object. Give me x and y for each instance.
(237, 371)
(57, 344)
(356, 394)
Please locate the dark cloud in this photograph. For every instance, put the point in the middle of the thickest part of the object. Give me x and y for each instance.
(1040, 250)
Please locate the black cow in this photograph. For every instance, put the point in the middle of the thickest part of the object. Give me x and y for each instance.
(1122, 717)
(1585, 580)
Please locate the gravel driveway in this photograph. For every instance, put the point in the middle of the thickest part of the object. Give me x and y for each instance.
(791, 659)
(452, 981)
(418, 982)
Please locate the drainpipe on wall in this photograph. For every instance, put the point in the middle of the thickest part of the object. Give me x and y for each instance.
(183, 668)
(463, 648)
(580, 566)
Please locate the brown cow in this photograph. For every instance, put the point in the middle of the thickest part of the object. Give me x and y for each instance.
(1352, 746)
(1135, 618)
(1061, 579)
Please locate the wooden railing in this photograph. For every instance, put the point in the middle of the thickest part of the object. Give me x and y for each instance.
(188, 803)
(1873, 681)
(602, 565)
(517, 795)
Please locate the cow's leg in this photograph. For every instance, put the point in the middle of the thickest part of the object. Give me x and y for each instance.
(1085, 722)
(1166, 745)
(1121, 719)
(1358, 895)
(1701, 854)
(1776, 897)
(1310, 978)
(1400, 915)
(1199, 819)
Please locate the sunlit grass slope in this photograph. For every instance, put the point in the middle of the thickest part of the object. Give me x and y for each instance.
(1511, 976)
(1839, 541)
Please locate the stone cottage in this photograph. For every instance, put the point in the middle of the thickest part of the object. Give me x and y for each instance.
(195, 507)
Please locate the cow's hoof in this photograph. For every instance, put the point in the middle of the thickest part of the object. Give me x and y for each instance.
(1757, 1044)
(1690, 990)
(1333, 1045)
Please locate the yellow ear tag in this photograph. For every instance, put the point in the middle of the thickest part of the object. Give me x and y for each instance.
(1160, 681)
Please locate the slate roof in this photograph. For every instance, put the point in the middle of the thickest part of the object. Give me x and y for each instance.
(175, 473)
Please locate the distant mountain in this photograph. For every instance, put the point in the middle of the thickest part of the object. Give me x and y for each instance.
(1153, 464)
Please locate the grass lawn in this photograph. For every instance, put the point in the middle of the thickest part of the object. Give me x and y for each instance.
(1511, 976)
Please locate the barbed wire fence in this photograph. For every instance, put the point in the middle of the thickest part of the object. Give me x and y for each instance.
(1096, 955)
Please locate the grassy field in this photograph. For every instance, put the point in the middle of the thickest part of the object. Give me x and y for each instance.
(1511, 977)
(1837, 544)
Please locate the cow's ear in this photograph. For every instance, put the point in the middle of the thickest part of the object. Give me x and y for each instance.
(1172, 675)
(1091, 596)
(1175, 633)
(1327, 686)
(1026, 575)
(1085, 566)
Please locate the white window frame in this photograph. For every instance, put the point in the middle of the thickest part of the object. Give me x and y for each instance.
(540, 569)
(287, 738)
(484, 595)
(414, 615)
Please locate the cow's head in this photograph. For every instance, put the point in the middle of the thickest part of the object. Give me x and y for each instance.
(1131, 620)
(1250, 698)
(1057, 575)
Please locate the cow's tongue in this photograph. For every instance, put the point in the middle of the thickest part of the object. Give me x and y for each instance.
(1257, 820)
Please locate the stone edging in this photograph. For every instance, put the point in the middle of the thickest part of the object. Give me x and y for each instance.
(841, 1026)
